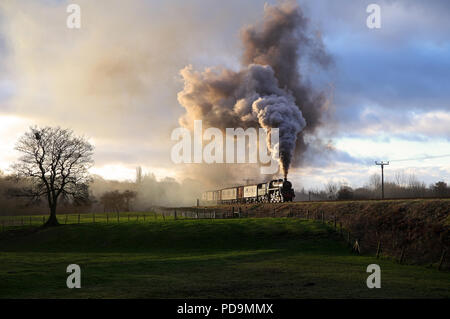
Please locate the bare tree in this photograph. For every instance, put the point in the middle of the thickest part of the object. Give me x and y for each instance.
(55, 162)
(440, 189)
(116, 201)
(139, 176)
(400, 178)
(416, 187)
(331, 188)
(345, 193)
(128, 197)
(375, 181)
(112, 201)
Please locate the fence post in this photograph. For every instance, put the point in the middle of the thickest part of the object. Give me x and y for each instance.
(402, 255)
(137, 217)
(175, 214)
(441, 261)
(164, 216)
(78, 218)
(335, 220)
(378, 249)
(356, 247)
(43, 219)
(323, 218)
(340, 228)
(307, 214)
(143, 217)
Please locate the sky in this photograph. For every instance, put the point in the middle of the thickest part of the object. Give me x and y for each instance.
(115, 80)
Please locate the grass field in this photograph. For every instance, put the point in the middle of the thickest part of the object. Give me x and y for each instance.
(231, 258)
(39, 220)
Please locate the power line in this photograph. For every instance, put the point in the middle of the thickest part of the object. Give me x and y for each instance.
(420, 158)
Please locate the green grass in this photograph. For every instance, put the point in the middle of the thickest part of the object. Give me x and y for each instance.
(234, 258)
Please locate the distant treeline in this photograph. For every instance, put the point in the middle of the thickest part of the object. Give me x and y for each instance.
(402, 186)
(146, 192)
(14, 200)
(104, 196)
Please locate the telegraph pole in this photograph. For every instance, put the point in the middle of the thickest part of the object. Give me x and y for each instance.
(382, 176)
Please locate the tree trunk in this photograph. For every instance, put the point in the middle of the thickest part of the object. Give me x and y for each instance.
(52, 220)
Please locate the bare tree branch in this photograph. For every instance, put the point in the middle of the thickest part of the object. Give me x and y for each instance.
(55, 162)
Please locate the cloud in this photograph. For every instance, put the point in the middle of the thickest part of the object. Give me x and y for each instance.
(375, 123)
(116, 79)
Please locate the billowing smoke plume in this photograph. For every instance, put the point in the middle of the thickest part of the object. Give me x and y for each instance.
(249, 98)
(281, 111)
(268, 92)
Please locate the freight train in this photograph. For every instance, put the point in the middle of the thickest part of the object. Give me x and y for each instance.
(275, 191)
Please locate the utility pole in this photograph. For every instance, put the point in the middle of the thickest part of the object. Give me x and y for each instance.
(382, 176)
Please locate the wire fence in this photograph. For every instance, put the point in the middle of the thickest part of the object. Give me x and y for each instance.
(362, 240)
(358, 241)
(7, 222)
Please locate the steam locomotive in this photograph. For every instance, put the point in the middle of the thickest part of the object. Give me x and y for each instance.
(275, 191)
